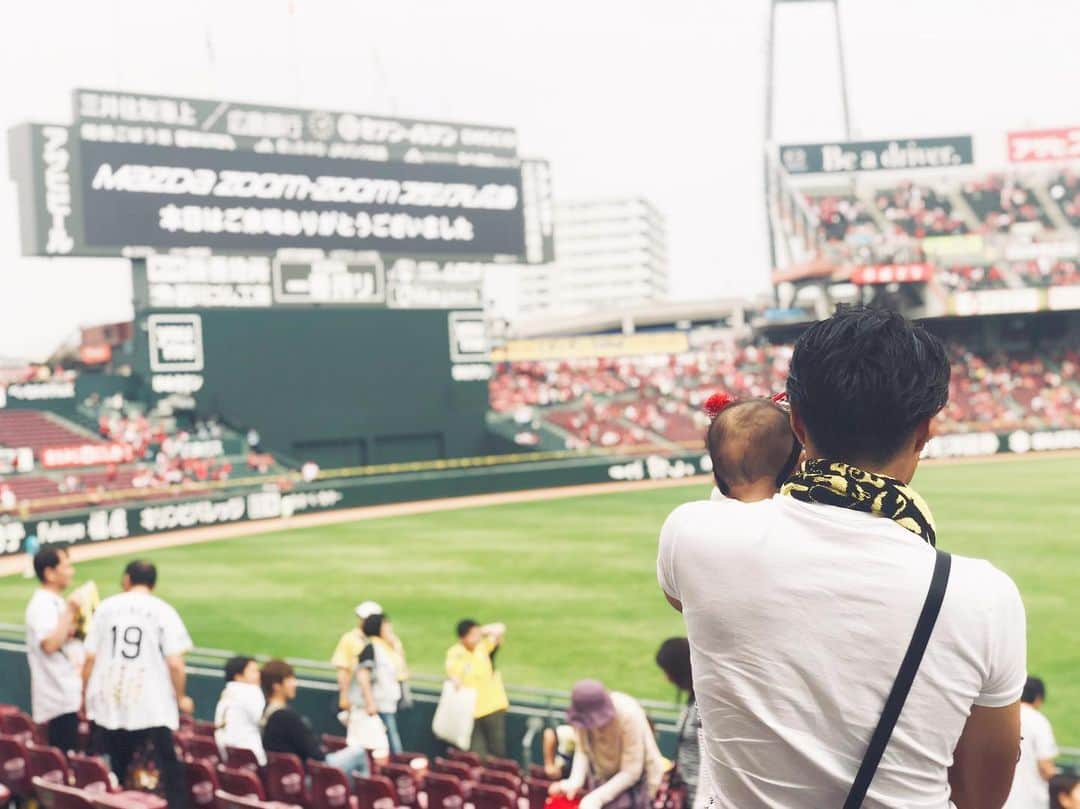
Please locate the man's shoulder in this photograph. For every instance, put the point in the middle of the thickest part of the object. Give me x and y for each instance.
(980, 581)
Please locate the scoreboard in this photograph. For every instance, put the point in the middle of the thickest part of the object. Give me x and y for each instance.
(314, 274)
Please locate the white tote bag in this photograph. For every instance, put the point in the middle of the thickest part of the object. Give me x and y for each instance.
(367, 731)
(453, 721)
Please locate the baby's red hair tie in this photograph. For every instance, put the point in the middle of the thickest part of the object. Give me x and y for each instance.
(716, 403)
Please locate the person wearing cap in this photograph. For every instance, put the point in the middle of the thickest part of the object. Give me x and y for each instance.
(346, 658)
(615, 746)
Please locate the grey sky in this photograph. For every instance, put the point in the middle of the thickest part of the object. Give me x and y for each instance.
(659, 99)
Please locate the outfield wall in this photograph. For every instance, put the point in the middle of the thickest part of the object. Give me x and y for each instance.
(432, 480)
(117, 518)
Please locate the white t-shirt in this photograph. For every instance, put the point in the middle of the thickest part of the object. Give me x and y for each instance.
(385, 688)
(130, 687)
(237, 719)
(1030, 790)
(798, 617)
(55, 679)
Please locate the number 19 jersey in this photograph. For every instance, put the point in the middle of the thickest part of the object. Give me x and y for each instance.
(130, 687)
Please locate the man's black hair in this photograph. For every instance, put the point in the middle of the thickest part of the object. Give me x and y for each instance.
(673, 657)
(463, 627)
(47, 559)
(235, 666)
(862, 381)
(141, 572)
(372, 626)
(1034, 689)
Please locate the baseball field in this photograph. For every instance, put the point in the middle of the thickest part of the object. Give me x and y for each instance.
(574, 578)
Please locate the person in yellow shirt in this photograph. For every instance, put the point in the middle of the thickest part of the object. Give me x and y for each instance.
(470, 664)
(346, 658)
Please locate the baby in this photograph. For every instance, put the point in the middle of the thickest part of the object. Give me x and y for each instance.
(752, 447)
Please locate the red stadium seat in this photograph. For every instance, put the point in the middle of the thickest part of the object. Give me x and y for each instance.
(48, 764)
(201, 783)
(406, 758)
(90, 773)
(471, 759)
(16, 723)
(485, 796)
(506, 765)
(444, 791)
(334, 743)
(15, 766)
(536, 789)
(52, 795)
(226, 800)
(203, 748)
(499, 778)
(538, 772)
(404, 779)
(240, 782)
(375, 792)
(329, 788)
(240, 758)
(203, 728)
(129, 799)
(285, 779)
(459, 769)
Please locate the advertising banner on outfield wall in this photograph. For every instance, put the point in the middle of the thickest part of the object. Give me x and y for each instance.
(1044, 144)
(231, 126)
(901, 154)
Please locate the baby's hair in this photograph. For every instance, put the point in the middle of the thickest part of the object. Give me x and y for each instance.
(751, 440)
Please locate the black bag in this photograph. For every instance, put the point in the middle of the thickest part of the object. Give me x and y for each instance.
(902, 685)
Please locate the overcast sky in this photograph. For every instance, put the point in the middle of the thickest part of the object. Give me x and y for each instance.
(665, 100)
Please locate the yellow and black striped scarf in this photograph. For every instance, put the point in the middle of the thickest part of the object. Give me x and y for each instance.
(835, 483)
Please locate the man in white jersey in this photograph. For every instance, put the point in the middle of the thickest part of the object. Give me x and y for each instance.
(799, 608)
(55, 657)
(1038, 751)
(135, 677)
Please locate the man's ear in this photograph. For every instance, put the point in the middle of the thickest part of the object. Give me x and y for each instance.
(797, 426)
(923, 432)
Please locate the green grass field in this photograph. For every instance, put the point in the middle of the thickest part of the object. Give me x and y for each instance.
(574, 578)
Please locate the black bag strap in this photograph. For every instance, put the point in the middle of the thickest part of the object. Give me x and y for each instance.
(902, 685)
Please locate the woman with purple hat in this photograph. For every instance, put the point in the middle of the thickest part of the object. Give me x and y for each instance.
(616, 758)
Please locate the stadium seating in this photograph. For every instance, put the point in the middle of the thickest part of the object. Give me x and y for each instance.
(333, 743)
(444, 791)
(375, 792)
(15, 766)
(1065, 190)
(57, 795)
(329, 788)
(226, 800)
(503, 765)
(204, 749)
(240, 758)
(919, 211)
(536, 791)
(39, 430)
(15, 723)
(500, 778)
(404, 779)
(285, 779)
(48, 764)
(90, 773)
(1001, 201)
(458, 769)
(240, 782)
(485, 796)
(201, 783)
(471, 759)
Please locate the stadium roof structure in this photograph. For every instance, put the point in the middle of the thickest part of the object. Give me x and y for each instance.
(660, 314)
